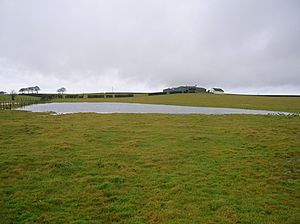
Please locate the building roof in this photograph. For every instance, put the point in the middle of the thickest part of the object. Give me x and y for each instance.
(218, 89)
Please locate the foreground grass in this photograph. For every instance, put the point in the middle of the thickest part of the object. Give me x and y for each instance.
(285, 104)
(134, 168)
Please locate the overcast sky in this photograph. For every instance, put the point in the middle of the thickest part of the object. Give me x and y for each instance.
(245, 46)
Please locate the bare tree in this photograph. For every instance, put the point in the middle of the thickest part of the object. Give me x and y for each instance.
(13, 94)
(22, 90)
(61, 90)
(36, 89)
(31, 89)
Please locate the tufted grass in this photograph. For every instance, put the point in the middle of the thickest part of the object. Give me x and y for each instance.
(149, 168)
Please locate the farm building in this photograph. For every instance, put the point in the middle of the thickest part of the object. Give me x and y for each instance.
(185, 89)
(216, 91)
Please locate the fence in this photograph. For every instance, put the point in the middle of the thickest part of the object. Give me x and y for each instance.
(8, 105)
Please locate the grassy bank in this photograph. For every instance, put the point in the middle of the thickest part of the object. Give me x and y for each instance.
(132, 168)
(18, 98)
(285, 104)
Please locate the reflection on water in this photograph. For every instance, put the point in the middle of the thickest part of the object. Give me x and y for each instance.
(66, 108)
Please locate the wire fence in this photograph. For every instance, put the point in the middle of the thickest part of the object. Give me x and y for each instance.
(9, 104)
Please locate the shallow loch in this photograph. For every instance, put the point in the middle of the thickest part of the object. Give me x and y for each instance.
(105, 107)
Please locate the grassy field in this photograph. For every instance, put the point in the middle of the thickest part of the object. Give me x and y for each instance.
(18, 98)
(149, 168)
(285, 104)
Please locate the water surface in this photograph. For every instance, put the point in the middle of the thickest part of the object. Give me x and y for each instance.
(108, 107)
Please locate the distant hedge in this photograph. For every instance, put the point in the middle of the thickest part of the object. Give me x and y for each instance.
(74, 96)
(124, 95)
(95, 96)
(157, 93)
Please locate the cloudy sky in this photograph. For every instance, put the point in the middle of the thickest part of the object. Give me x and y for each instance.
(243, 46)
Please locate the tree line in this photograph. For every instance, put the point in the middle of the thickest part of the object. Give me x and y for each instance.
(36, 89)
(31, 89)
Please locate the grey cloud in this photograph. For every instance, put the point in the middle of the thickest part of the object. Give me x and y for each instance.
(146, 45)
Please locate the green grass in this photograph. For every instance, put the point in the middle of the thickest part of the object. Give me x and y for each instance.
(18, 98)
(285, 104)
(149, 168)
